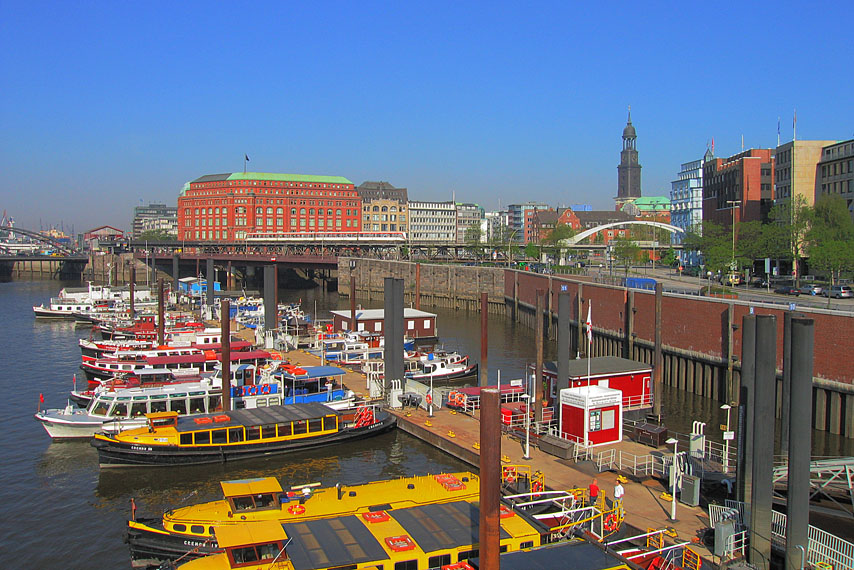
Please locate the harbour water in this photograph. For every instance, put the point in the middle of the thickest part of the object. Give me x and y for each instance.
(60, 511)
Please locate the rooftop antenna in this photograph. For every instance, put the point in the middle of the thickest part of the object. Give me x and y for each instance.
(778, 130)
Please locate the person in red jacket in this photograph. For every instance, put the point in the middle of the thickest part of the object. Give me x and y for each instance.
(594, 491)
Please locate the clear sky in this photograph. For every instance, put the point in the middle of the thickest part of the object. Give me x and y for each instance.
(105, 105)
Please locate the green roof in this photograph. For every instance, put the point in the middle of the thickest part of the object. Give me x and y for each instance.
(652, 203)
(288, 177)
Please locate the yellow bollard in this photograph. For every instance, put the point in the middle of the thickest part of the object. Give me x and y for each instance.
(476, 445)
(451, 433)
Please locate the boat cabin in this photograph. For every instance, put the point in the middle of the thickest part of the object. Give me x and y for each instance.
(252, 545)
(249, 495)
(417, 324)
(630, 377)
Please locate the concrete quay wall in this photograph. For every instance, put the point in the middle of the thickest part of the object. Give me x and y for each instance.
(701, 336)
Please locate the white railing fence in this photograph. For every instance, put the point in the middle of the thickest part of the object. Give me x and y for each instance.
(823, 546)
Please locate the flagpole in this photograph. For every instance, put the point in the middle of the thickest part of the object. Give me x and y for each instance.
(589, 341)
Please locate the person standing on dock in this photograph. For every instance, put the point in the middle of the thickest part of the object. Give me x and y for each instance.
(593, 490)
(618, 493)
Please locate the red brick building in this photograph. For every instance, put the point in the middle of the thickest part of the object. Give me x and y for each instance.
(744, 181)
(228, 207)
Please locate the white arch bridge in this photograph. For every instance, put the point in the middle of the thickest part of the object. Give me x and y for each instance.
(587, 233)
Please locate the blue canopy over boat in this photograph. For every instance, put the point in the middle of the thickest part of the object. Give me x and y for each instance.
(312, 372)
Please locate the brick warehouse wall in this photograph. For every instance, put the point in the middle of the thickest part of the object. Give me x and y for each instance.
(696, 331)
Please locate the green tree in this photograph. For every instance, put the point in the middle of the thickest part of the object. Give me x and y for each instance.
(554, 239)
(714, 242)
(625, 251)
(830, 238)
(156, 235)
(532, 250)
(473, 237)
(788, 234)
(670, 257)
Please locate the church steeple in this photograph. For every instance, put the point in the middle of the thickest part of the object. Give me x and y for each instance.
(629, 170)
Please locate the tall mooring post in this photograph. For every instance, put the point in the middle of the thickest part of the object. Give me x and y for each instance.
(763, 441)
(393, 331)
(490, 477)
(161, 313)
(564, 337)
(484, 339)
(581, 345)
(176, 269)
(132, 290)
(539, 332)
(418, 286)
(658, 361)
(225, 359)
(271, 300)
(800, 343)
(209, 277)
(787, 383)
(745, 409)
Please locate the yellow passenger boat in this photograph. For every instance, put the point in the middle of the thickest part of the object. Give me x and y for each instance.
(189, 531)
(170, 439)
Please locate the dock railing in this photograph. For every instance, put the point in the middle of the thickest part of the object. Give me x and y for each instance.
(823, 547)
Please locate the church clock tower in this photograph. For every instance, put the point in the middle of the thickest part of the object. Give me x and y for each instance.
(629, 170)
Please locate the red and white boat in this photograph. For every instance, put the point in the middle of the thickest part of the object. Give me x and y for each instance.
(209, 339)
(193, 362)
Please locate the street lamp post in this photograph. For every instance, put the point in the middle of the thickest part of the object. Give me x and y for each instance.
(673, 476)
(733, 206)
(727, 437)
(527, 397)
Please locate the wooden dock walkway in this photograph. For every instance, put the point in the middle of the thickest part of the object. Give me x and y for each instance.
(457, 434)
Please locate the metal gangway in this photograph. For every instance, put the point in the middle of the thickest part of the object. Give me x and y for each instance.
(824, 549)
(831, 478)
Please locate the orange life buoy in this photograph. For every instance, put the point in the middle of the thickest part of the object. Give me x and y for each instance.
(265, 389)
(537, 486)
(296, 509)
(429, 399)
(505, 512)
(610, 523)
(509, 474)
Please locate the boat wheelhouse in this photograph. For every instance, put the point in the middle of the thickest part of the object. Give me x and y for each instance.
(324, 384)
(237, 434)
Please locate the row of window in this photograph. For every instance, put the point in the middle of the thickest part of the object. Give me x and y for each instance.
(843, 187)
(826, 169)
(238, 434)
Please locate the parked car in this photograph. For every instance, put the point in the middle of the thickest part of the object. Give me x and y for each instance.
(839, 292)
(787, 290)
(811, 290)
(759, 282)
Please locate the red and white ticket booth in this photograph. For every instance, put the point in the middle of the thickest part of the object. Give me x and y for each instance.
(591, 415)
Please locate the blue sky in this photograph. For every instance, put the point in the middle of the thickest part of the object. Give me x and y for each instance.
(106, 104)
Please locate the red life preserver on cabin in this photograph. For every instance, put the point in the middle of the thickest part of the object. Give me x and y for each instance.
(265, 389)
(296, 509)
(400, 543)
(376, 516)
(329, 328)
